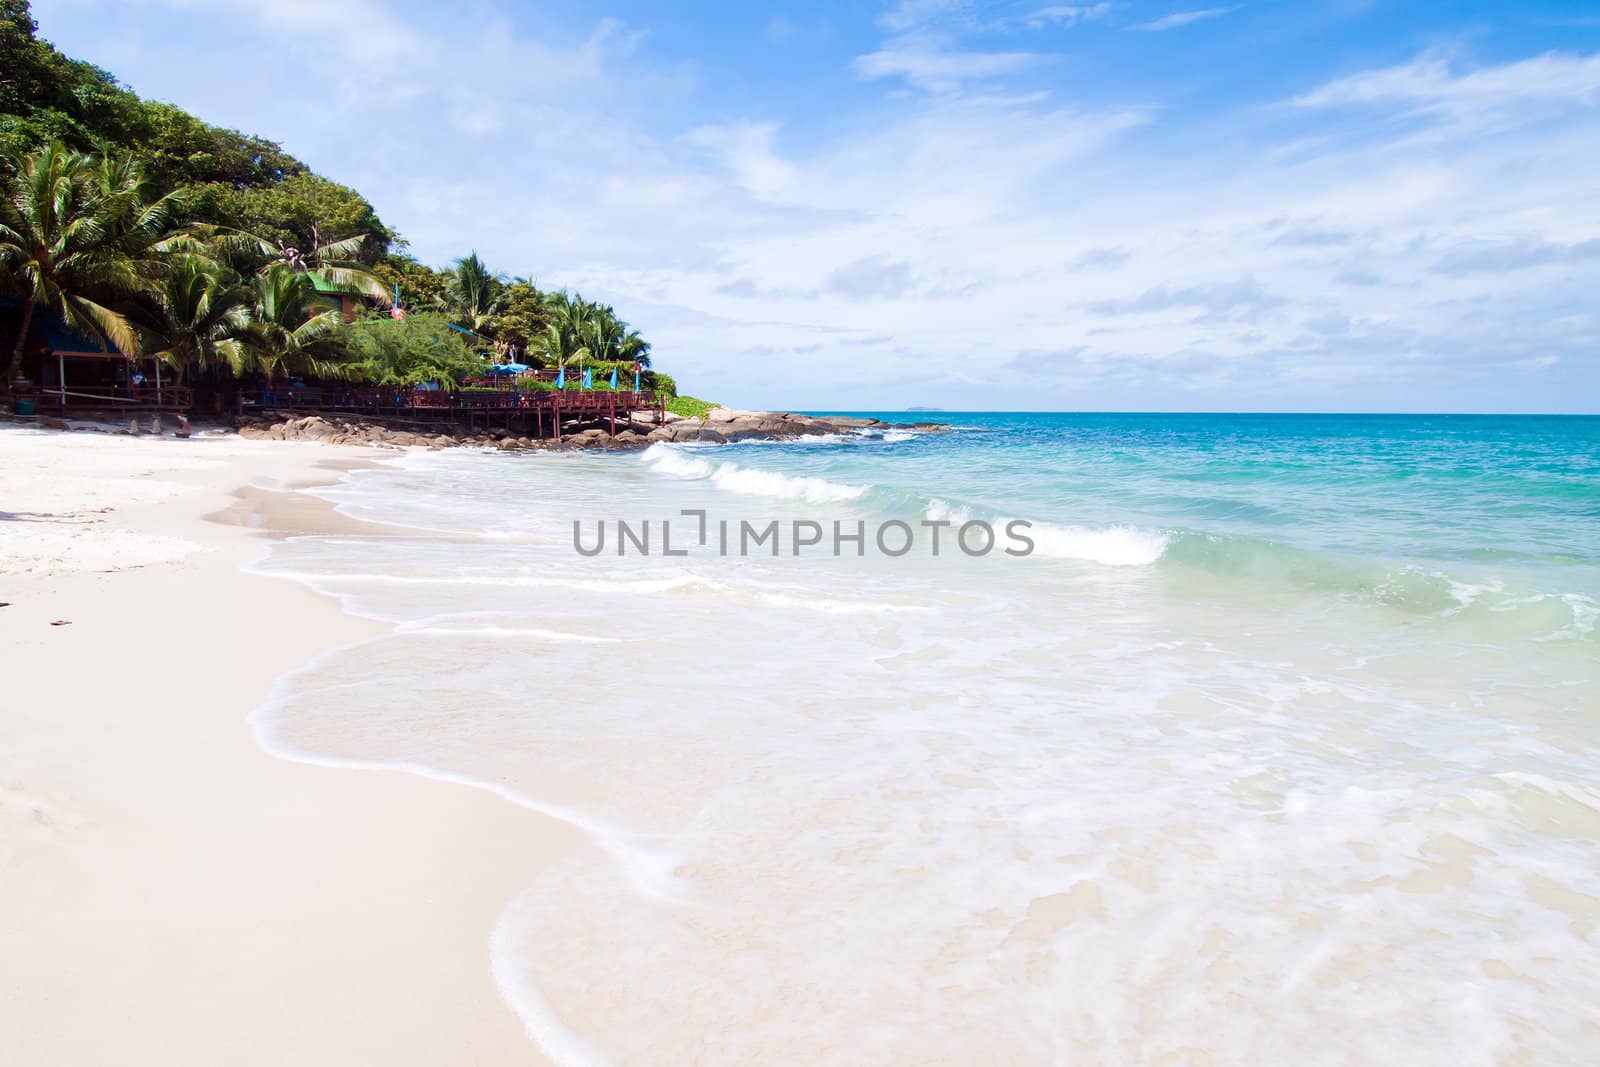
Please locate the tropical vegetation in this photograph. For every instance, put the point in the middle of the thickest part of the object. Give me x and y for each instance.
(149, 231)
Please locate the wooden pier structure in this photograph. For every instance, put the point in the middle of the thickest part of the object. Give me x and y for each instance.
(539, 413)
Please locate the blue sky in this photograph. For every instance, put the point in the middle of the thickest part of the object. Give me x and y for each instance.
(1318, 205)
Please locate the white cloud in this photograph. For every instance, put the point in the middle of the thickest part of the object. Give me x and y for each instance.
(1066, 15)
(910, 15)
(933, 65)
(1429, 86)
(948, 241)
(1183, 18)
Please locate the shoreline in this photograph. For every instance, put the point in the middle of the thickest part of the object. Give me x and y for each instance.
(161, 872)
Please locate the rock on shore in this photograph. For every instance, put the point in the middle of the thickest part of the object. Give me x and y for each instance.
(719, 426)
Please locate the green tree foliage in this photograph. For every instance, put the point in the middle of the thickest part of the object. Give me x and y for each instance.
(289, 331)
(74, 234)
(584, 331)
(302, 211)
(476, 294)
(46, 97)
(182, 150)
(248, 183)
(225, 269)
(25, 74)
(522, 321)
(418, 348)
(333, 265)
(199, 315)
(421, 287)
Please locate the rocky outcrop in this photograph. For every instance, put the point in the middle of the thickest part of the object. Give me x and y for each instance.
(727, 424)
(720, 426)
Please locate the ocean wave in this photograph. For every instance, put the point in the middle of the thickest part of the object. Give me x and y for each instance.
(942, 511)
(833, 606)
(1412, 589)
(1109, 546)
(522, 579)
(749, 481)
(476, 624)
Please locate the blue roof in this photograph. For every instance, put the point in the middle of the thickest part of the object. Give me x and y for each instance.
(63, 338)
(56, 333)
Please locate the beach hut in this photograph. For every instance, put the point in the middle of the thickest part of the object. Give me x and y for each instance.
(345, 299)
(68, 369)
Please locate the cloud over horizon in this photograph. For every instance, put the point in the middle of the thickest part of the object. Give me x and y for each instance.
(979, 196)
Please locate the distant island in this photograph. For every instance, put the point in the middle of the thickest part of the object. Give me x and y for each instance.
(924, 409)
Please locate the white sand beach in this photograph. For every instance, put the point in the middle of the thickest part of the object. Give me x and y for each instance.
(169, 892)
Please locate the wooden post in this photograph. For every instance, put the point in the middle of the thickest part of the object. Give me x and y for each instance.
(613, 403)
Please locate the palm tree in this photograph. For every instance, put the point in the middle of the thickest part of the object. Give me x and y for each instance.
(336, 263)
(634, 349)
(559, 345)
(290, 330)
(66, 232)
(476, 293)
(143, 227)
(566, 335)
(588, 330)
(200, 315)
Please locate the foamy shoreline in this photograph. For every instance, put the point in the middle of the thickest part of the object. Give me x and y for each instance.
(170, 892)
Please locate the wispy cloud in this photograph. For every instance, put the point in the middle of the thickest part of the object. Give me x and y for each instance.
(1183, 18)
(1498, 257)
(1199, 263)
(909, 15)
(1428, 85)
(1065, 15)
(934, 65)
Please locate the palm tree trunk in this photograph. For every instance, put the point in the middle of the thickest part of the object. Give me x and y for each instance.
(22, 343)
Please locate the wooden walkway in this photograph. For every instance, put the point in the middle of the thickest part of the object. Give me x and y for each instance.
(543, 411)
(534, 413)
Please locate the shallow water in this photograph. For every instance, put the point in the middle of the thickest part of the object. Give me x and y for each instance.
(1282, 746)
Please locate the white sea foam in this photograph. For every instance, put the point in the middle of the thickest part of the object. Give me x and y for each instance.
(646, 865)
(508, 948)
(1466, 594)
(729, 476)
(942, 511)
(1585, 614)
(1111, 546)
(492, 630)
(918, 811)
(834, 606)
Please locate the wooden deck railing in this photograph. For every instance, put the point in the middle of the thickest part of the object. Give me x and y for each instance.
(174, 398)
(547, 409)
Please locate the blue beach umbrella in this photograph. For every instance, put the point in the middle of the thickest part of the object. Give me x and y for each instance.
(613, 378)
(561, 378)
(588, 378)
(635, 381)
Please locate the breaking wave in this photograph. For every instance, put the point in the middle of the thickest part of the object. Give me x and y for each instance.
(749, 481)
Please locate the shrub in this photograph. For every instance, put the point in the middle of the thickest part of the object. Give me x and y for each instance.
(689, 407)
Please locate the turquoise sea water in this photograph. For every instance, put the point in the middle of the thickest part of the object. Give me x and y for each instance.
(1415, 511)
(1282, 746)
